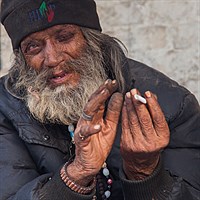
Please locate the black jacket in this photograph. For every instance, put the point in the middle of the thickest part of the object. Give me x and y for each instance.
(33, 153)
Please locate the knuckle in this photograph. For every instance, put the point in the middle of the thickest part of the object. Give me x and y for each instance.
(118, 96)
(116, 99)
(134, 122)
(125, 124)
(160, 121)
(105, 92)
(145, 121)
(84, 129)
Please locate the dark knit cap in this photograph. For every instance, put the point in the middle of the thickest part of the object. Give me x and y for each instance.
(23, 17)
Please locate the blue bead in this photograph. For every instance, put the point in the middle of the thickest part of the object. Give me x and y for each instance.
(107, 194)
(106, 172)
(72, 134)
(71, 128)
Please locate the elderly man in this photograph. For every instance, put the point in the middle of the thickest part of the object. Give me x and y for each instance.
(73, 123)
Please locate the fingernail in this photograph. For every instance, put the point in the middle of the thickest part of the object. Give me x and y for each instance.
(128, 95)
(133, 91)
(97, 126)
(148, 94)
(114, 81)
(106, 82)
(103, 91)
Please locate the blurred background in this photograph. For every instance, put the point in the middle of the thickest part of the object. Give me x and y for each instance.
(164, 34)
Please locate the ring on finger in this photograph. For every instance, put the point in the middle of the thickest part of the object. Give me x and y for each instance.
(87, 117)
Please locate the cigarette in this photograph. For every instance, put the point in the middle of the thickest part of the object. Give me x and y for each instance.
(141, 99)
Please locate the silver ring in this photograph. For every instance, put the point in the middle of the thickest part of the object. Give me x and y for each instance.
(81, 136)
(87, 117)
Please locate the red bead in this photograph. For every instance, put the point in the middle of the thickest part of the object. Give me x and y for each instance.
(109, 181)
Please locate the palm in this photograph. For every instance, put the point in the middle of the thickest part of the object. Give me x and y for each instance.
(93, 151)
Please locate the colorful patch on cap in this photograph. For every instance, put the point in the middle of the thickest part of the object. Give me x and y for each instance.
(44, 12)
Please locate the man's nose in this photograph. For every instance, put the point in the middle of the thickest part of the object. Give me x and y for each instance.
(52, 55)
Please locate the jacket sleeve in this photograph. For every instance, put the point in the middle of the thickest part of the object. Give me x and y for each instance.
(177, 177)
(19, 178)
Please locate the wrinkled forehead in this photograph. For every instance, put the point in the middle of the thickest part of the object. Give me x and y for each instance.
(54, 30)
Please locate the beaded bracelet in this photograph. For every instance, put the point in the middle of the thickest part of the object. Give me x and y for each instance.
(74, 186)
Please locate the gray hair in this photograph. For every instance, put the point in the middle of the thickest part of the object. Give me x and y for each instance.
(113, 54)
(110, 52)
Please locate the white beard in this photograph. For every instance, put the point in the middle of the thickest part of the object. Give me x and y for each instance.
(64, 104)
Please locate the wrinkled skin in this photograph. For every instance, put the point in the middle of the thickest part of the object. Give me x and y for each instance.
(51, 49)
(145, 134)
(93, 151)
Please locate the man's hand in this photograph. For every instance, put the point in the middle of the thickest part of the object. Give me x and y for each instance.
(144, 134)
(94, 139)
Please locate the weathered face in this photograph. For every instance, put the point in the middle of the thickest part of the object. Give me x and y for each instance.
(62, 70)
(52, 48)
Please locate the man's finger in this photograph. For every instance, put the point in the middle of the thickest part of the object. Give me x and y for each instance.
(125, 123)
(157, 115)
(133, 120)
(125, 128)
(98, 99)
(108, 84)
(114, 109)
(85, 131)
(143, 115)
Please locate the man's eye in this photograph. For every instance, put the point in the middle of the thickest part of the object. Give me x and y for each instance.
(31, 47)
(66, 37)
